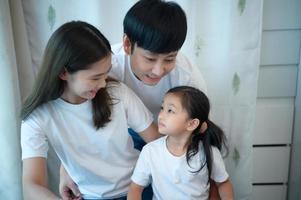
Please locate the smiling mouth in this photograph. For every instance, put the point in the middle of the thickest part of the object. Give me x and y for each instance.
(153, 78)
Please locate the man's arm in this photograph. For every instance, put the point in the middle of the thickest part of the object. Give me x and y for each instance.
(150, 134)
(35, 184)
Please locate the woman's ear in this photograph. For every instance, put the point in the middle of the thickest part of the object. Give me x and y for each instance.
(193, 124)
(64, 75)
(127, 45)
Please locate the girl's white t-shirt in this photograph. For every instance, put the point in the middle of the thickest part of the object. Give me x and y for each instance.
(171, 177)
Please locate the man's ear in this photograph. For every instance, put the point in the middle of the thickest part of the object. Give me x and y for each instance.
(193, 124)
(127, 45)
(64, 75)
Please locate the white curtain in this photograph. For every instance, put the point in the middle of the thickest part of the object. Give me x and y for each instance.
(223, 40)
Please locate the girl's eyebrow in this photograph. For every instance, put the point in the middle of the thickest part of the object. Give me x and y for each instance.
(172, 105)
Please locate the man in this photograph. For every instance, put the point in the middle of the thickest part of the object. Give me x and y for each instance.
(149, 62)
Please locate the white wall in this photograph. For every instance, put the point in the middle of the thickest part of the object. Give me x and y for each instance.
(277, 86)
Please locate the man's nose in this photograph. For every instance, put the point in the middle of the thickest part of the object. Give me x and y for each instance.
(158, 69)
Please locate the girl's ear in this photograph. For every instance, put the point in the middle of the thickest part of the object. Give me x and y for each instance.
(193, 124)
(203, 127)
(127, 45)
(64, 75)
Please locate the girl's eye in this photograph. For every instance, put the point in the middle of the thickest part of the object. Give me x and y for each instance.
(170, 111)
(161, 107)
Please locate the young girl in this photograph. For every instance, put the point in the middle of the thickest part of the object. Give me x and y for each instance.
(84, 118)
(180, 164)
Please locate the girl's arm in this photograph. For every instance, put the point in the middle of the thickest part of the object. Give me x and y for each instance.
(213, 191)
(135, 192)
(225, 190)
(35, 185)
(150, 134)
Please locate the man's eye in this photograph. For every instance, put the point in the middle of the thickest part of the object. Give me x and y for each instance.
(151, 59)
(170, 60)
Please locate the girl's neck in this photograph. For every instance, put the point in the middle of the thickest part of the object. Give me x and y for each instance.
(177, 145)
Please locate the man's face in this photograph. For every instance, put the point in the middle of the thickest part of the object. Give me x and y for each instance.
(150, 67)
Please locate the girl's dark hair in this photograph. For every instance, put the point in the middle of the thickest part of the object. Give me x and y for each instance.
(155, 25)
(197, 105)
(74, 46)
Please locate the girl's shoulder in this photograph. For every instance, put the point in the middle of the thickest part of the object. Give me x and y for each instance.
(156, 144)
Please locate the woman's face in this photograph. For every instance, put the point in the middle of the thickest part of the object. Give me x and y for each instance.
(84, 84)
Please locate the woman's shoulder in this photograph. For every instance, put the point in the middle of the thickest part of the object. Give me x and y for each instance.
(119, 90)
(40, 115)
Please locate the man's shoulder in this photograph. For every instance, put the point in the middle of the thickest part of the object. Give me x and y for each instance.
(183, 65)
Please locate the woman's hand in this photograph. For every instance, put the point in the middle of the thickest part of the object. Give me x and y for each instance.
(68, 189)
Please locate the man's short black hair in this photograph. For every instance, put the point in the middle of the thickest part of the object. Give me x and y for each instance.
(155, 25)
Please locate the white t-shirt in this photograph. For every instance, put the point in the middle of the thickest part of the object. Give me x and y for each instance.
(171, 176)
(100, 161)
(184, 73)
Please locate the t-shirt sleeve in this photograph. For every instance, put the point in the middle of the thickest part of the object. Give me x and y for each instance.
(219, 173)
(33, 140)
(192, 76)
(142, 173)
(138, 116)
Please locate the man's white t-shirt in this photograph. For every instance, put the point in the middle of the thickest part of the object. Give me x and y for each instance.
(171, 176)
(184, 73)
(100, 161)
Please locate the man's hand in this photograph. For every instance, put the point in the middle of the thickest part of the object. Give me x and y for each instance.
(68, 189)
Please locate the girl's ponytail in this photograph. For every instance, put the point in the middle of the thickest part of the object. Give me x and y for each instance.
(213, 136)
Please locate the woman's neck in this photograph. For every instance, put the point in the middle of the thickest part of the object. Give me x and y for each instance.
(71, 98)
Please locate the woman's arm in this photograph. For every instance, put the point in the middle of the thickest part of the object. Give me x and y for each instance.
(135, 192)
(225, 190)
(150, 134)
(35, 185)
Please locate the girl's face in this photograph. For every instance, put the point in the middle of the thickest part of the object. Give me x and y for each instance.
(173, 119)
(84, 84)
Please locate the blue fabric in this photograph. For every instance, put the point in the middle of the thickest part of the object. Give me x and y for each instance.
(138, 141)
(119, 198)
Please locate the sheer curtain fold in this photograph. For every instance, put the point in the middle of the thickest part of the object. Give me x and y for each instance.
(223, 40)
(10, 154)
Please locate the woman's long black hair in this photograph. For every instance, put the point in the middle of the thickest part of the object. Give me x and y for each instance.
(74, 46)
(197, 105)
